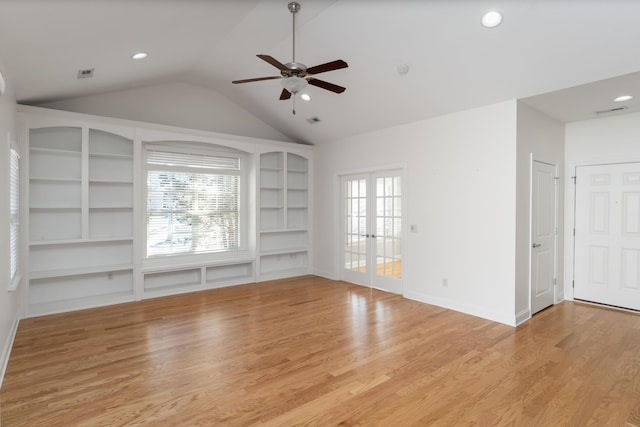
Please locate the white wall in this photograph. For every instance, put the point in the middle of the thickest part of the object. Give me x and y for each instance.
(605, 140)
(544, 137)
(8, 300)
(461, 193)
(175, 104)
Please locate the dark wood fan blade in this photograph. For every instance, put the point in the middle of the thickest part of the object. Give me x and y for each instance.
(256, 79)
(271, 60)
(285, 95)
(326, 85)
(329, 66)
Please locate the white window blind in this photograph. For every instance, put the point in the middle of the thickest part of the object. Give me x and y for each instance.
(14, 213)
(193, 203)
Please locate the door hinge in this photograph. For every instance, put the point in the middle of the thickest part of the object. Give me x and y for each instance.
(573, 283)
(574, 232)
(575, 179)
(555, 281)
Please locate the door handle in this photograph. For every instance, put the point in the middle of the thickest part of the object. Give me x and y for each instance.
(536, 245)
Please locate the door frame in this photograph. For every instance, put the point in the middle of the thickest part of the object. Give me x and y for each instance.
(339, 230)
(555, 164)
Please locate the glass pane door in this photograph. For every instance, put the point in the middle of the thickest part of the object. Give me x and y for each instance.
(372, 224)
(356, 235)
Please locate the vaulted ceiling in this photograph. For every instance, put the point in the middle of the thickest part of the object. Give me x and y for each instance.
(542, 48)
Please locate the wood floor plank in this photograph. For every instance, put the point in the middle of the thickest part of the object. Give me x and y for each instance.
(310, 351)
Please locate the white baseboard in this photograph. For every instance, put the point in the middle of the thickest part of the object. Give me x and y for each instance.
(505, 318)
(523, 316)
(6, 349)
(324, 274)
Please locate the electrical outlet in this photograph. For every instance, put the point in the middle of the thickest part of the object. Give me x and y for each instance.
(414, 228)
(445, 283)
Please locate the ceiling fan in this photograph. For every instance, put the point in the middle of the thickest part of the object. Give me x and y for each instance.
(294, 75)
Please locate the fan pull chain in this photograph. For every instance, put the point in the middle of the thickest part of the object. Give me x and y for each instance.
(294, 104)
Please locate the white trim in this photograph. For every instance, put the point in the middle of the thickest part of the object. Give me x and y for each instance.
(522, 317)
(6, 349)
(473, 310)
(324, 274)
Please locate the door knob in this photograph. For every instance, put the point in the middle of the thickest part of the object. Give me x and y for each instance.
(536, 245)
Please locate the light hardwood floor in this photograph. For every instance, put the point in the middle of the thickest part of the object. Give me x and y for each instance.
(316, 352)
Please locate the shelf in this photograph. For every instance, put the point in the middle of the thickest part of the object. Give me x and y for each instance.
(110, 181)
(271, 169)
(195, 264)
(271, 207)
(45, 274)
(54, 208)
(111, 156)
(55, 151)
(81, 241)
(53, 180)
(284, 251)
(111, 207)
(297, 171)
(265, 187)
(282, 230)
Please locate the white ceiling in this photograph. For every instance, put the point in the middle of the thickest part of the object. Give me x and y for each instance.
(541, 48)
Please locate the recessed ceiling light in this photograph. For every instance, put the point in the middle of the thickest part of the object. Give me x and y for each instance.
(491, 19)
(623, 98)
(305, 97)
(139, 55)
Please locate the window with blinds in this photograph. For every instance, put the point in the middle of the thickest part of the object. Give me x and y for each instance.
(193, 203)
(14, 215)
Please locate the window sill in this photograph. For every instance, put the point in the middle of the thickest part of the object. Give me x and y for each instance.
(195, 260)
(15, 283)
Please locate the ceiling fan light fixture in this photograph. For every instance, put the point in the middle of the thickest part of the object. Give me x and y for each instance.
(294, 84)
(305, 97)
(139, 55)
(491, 19)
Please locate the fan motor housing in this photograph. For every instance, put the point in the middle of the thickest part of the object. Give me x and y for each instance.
(295, 69)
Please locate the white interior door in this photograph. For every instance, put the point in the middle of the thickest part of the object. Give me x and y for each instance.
(607, 234)
(543, 236)
(373, 227)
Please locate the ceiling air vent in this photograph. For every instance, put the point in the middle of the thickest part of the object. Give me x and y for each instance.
(85, 74)
(613, 110)
(313, 120)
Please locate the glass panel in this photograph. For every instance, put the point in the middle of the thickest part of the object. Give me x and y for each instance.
(355, 224)
(388, 227)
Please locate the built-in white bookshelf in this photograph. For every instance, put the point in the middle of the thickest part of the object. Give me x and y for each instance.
(86, 226)
(162, 281)
(81, 248)
(284, 215)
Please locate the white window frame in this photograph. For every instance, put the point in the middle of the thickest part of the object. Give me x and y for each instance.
(206, 150)
(14, 219)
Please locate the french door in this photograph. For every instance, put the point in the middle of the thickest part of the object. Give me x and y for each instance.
(372, 229)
